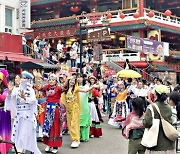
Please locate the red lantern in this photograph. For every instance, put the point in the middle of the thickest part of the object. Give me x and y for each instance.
(167, 13)
(136, 15)
(122, 15)
(78, 3)
(75, 8)
(95, 1)
(151, 14)
(109, 15)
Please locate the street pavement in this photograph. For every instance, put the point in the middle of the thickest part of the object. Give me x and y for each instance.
(112, 142)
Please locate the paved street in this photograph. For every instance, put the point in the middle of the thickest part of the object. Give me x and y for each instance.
(111, 142)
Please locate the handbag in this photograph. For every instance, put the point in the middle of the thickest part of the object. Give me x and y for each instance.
(150, 135)
(169, 130)
(119, 118)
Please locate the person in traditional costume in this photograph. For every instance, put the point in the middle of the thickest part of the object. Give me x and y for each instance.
(62, 82)
(120, 110)
(5, 117)
(96, 118)
(71, 99)
(133, 129)
(85, 118)
(41, 104)
(24, 126)
(52, 130)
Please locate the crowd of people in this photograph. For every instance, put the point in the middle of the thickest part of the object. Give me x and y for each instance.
(51, 105)
(59, 52)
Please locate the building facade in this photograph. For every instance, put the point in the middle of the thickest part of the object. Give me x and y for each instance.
(11, 16)
(157, 20)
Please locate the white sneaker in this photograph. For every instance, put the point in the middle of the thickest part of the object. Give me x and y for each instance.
(48, 149)
(54, 150)
(75, 144)
(45, 134)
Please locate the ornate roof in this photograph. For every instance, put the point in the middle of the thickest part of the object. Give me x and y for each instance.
(53, 22)
(40, 2)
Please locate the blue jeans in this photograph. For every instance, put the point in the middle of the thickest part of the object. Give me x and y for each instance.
(73, 62)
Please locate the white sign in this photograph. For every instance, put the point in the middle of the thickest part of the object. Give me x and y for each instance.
(25, 13)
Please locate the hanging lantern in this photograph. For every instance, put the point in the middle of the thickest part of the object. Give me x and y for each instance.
(151, 14)
(109, 16)
(167, 13)
(122, 16)
(136, 15)
(75, 8)
(78, 3)
(95, 1)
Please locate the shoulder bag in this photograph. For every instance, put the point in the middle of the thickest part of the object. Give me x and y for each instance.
(150, 135)
(169, 130)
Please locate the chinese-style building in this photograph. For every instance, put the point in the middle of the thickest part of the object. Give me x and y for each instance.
(158, 20)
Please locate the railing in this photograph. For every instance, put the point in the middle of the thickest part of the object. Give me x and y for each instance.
(95, 18)
(120, 55)
(36, 55)
(159, 16)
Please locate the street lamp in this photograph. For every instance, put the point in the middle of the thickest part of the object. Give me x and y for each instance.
(82, 23)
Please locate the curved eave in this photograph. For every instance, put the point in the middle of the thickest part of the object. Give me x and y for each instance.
(53, 23)
(41, 2)
(128, 27)
(166, 29)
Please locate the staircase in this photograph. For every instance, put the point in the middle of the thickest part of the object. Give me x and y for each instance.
(111, 68)
(34, 54)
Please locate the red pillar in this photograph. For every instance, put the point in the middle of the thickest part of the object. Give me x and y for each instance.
(141, 8)
(141, 35)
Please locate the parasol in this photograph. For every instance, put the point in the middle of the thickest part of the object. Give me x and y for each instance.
(128, 73)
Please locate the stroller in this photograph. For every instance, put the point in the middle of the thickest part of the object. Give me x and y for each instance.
(14, 150)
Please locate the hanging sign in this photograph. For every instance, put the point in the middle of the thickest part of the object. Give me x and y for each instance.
(24, 13)
(98, 36)
(56, 33)
(146, 45)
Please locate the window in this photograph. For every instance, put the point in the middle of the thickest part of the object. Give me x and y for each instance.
(8, 20)
(134, 3)
(127, 4)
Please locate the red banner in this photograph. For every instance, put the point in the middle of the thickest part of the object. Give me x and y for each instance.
(56, 33)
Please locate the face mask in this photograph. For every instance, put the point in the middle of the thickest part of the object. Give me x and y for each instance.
(23, 83)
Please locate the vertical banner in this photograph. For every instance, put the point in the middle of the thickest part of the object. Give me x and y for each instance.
(24, 13)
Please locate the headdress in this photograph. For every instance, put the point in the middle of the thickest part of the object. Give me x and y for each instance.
(27, 75)
(3, 75)
(53, 76)
(92, 77)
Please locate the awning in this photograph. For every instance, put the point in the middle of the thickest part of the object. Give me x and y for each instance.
(15, 57)
(138, 64)
(163, 68)
(37, 65)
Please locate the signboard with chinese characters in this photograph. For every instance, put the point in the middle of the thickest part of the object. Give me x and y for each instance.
(24, 13)
(98, 36)
(56, 33)
(145, 45)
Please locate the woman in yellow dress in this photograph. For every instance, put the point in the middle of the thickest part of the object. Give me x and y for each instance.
(71, 100)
